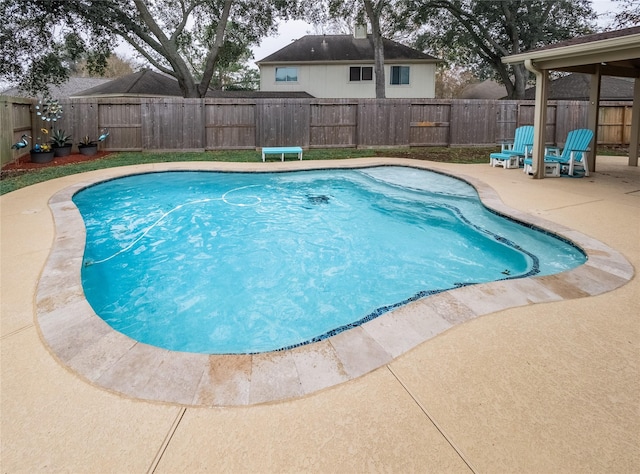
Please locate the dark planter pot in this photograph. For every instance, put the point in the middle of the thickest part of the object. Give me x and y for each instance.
(61, 150)
(88, 150)
(41, 156)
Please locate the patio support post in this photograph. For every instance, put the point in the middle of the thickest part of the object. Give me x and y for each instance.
(635, 125)
(540, 118)
(592, 116)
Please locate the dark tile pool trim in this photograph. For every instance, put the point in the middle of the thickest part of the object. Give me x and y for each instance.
(83, 342)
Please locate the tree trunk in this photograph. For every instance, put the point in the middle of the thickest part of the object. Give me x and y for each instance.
(378, 47)
(214, 52)
(378, 51)
(189, 87)
(520, 81)
(514, 79)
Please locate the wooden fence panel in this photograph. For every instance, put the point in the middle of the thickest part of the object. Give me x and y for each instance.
(430, 123)
(384, 122)
(507, 120)
(15, 121)
(552, 134)
(123, 120)
(333, 125)
(526, 113)
(614, 124)
(172, 124)
(282, 122)
(570, 115)
(80, 119)
(230, 125)
(473, 122)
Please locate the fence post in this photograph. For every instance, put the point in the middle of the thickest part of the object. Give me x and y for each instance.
(17, 117)
(6, 129)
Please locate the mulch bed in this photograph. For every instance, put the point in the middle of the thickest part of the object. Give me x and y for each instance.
(24, 165)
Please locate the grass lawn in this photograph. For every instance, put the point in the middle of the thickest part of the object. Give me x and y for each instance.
(14, 176)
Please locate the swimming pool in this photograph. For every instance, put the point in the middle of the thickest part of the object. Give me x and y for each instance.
(90, 348)
(245, 263)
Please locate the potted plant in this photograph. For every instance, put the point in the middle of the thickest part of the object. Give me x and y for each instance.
(87, 146)
(61, 143)
(41, 152)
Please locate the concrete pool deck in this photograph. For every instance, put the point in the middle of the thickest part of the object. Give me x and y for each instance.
(545, 387)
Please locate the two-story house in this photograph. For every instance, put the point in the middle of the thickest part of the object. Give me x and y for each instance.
(342, 66)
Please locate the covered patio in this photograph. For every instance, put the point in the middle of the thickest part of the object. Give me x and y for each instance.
(613, 53)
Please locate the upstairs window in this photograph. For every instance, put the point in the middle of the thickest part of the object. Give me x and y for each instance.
(399, 75)
(286, 74)
(358, 73)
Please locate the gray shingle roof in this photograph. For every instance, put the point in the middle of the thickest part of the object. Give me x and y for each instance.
(326, 48)
(142, 83)
(68, 89)
(148, 83)
(576, 87)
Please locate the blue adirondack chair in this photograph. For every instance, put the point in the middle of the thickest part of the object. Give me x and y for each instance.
(510, 156)
(574, 153)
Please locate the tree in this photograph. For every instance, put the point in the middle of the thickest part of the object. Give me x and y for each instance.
(451, 81)
(116, 67)
(33, 56)
(479, 33)
(629, 14)
(169, 34)
(232, 72)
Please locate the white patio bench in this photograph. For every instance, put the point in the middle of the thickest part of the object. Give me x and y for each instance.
(281, 150)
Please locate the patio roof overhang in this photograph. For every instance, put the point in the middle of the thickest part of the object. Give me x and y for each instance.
(614, 53)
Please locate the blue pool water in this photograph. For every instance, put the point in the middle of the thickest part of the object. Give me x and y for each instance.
(243, 263)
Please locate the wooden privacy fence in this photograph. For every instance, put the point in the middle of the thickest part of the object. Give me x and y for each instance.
(15, 120)
(152, 124)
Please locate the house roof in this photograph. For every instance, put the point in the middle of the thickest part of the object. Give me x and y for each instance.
(70, 88)
(606, 35)
(330, 48)
(148, 83)
(576, 87)
(145, 83)
(612, 53)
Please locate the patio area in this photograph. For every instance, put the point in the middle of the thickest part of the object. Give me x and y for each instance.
(551, 387)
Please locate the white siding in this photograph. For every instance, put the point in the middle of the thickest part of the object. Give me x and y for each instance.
(332, 81)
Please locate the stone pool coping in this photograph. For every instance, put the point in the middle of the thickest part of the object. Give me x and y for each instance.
(84, 343)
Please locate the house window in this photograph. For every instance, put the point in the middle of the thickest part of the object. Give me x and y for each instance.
(399, 75)
(286, 74)
(357, 73)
